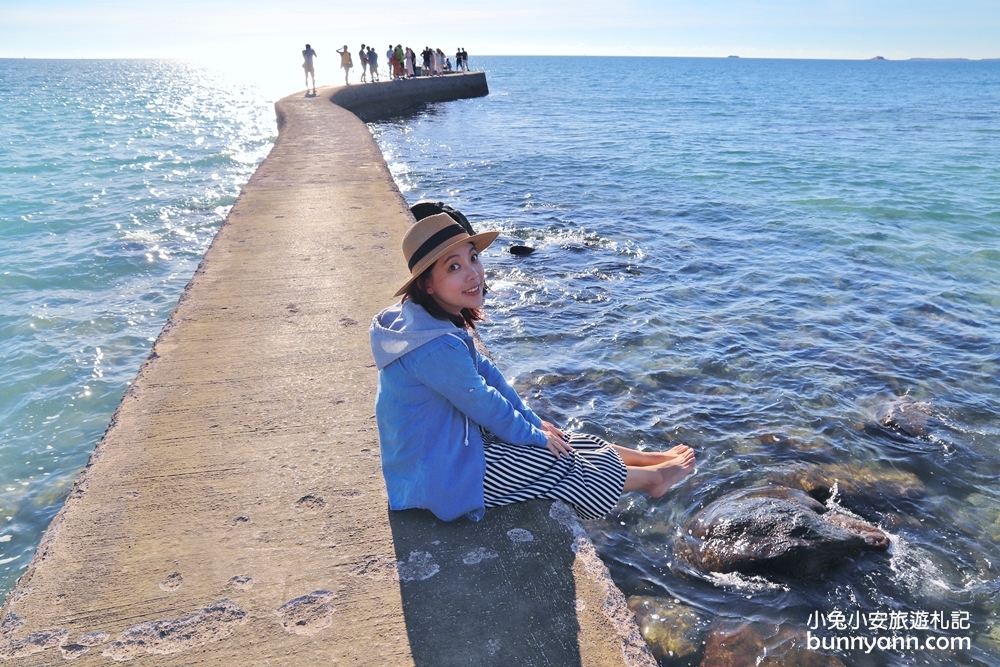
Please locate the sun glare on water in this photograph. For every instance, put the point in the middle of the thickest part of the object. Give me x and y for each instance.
(273, 74)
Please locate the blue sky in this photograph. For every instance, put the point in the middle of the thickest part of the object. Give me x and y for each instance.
(230, 29)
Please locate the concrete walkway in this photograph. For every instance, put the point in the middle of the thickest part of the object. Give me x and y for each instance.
(235, 514)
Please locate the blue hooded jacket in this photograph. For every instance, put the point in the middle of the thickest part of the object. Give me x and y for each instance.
(434, 391)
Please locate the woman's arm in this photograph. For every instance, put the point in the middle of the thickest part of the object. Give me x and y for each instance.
(495, 379)
(446, 366)
(558, 441)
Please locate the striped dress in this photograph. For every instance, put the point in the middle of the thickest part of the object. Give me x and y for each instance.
(590, 480)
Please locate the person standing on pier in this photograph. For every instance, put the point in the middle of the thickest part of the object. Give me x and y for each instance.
(373, 64)
(393, 65)
(410, 57)
(363, 57)
(400, 61)
(455, 437)
(426, 53)
(346, 62)
(307, 64)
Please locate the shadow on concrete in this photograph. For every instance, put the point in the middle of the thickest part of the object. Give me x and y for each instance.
(498, 592)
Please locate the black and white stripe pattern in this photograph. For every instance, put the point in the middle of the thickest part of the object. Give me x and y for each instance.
(590, 480)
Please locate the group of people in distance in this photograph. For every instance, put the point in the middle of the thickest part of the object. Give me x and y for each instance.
(402, 63)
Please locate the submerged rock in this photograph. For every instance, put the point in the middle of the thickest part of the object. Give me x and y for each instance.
(737, 644)
(671, 630)
(856, 485)
(906, 415)
(774, 530)
(990, 637)
(800, 440)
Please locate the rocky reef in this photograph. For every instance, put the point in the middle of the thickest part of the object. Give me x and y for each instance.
(774, 530)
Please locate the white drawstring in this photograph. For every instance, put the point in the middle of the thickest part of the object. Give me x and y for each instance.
(455, 335)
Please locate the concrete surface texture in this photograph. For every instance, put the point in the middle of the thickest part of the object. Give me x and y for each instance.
(234, 512)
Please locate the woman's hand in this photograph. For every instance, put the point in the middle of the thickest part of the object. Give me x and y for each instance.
(549, 427)
(558, 441)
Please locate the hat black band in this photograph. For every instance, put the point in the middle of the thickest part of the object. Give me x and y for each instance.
(434, 241)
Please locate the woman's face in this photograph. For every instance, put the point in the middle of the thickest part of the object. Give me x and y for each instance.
(458, 280)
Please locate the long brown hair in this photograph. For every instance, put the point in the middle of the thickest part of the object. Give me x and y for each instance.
(417, 292)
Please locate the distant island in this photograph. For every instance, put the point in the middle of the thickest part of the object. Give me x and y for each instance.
(733, 56)
(941, 59)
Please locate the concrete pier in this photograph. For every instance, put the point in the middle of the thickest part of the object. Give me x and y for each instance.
(234, 512)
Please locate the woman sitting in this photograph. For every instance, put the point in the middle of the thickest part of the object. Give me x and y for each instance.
(455, 437)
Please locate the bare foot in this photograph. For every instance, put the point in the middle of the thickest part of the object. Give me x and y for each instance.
(671, 454)
(659, 478)
(672, 472)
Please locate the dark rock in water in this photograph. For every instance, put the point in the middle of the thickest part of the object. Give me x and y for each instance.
(906, 415)
(873, 536)
(774, 530)
(520, 250)
(738, 644)
(671, 630)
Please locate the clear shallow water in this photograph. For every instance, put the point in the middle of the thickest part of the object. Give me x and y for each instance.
(114, 177)
(733, 250)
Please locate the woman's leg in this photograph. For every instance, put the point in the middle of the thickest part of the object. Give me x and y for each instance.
(659, 478)
(633, 457)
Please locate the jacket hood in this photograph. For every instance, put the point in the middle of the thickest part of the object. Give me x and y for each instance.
(402, 328)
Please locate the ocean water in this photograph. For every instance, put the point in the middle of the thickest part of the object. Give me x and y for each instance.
(756, 258)
(750, 256)
(114, 177)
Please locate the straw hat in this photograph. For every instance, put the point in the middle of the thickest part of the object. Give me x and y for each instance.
(432, 237)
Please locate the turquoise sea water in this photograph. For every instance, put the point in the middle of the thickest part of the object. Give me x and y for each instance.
(750, 256)
(753, 257)
(114, 176)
